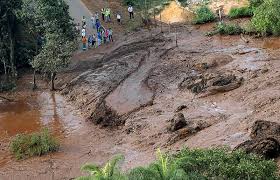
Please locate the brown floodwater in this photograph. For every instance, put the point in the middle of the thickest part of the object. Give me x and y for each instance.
(271, 43)
(42, 109)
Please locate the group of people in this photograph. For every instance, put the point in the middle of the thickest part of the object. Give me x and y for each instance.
(102, 35)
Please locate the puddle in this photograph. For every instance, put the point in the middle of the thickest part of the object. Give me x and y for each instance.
(271, 43)
(42, 110)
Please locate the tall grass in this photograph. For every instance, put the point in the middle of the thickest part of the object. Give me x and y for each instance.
(240, 12)
(36, 144)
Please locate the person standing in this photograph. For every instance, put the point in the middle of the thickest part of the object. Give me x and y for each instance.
(110, 35)
(109, 14)
(119, 18)
(93, 21)
(83, 32)
(96, 16)
(90, 39)
(99, 38)
(93, 40)
(130, 11)
(84, 21)
(84, 41)
(103, 14)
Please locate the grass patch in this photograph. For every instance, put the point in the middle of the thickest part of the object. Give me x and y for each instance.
(226, 29)
(191, 164)
(36, 144)
(204, 15)
(240, 12)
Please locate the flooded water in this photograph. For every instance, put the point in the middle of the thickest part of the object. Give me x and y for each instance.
(272, 43)
(31, 114)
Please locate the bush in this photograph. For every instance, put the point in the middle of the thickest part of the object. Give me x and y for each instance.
(226, 29)
(197, 164)
(36, 144)
(240, 12)
(266, 18)
(255, 3)
(204, 15)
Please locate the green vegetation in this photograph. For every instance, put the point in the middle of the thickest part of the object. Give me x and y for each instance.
(204, 15)
(25, 22)
(240, 12)
(36, 144)
(192, 164)
(109, 172)
(255, 3)
(227, 29)
(266, 18)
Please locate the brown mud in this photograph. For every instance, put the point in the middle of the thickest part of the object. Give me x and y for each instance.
(134, 88)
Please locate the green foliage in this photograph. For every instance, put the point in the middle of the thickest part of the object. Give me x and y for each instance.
(266, 17)
(240, 12)
(221, 164)
(109, 172)
(36, 144)
(184, 3)
(197, 164)
(226, 29)
(55, 55)
(204, 15)
(255, 3)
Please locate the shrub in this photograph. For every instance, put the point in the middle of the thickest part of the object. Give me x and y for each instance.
(109, 172)
(266, 17)
(204, 15)
(36, 144)
(197, 164)
(255, 3)
(226, 29)
(240, 12)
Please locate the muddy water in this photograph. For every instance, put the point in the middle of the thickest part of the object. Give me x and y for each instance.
(31, 114)
(36, 112)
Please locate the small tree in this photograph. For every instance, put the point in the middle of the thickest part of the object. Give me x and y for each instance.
(54, 56)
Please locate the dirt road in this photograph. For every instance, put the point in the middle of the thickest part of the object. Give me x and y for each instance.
(77, 10)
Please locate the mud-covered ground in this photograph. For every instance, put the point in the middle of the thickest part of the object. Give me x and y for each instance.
(129, 92)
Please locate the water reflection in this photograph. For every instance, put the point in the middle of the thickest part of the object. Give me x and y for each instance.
(33, 113)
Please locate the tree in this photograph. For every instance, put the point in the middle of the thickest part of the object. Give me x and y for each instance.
(8, 28)
(51, 19)
(54, 56)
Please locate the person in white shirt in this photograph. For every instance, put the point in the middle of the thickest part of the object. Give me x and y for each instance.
(83, 32)
(119, 18)
(130, 10)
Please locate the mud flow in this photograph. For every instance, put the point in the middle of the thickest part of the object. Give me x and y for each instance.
(32, 114)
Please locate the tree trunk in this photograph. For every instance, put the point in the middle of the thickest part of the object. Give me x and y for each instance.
(52, 81)
(34, 80)
(12, 46)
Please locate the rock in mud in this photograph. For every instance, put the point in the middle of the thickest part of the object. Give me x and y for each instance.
(177, 122)
(267, 147)
(211, 83)
(263, 129)
(181, 107)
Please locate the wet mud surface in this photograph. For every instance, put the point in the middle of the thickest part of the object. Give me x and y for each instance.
(132, 91)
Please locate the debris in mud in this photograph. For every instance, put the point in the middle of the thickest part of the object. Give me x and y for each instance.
(211, 83)
(177, 122)
(181, 107)
(267, 147)
(104, 116)
(265, 139)
(262, 129)
(190, 129)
